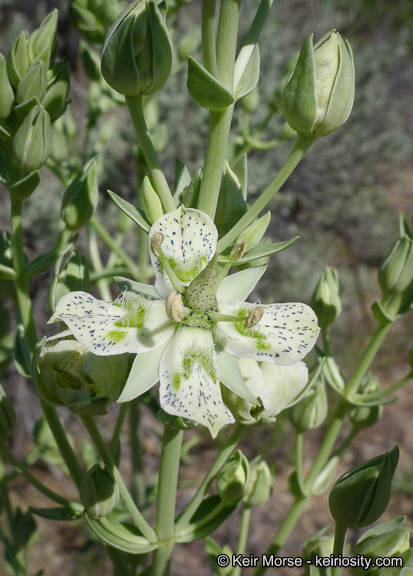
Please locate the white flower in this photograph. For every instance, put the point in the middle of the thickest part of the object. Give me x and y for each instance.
(188, 349)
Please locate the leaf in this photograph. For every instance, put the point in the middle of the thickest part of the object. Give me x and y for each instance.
(134, 214)
(205, 89)
(137, 287)
(208, 517)
(22, 356)
(241, 171)
(26, 186)
(182, 178)
(59, 513)
(261, 251)
(7, 272)
(43, 262)
(251, 75)
(124, 537)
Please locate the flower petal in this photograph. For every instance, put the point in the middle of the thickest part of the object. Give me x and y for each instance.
(144, 373)
(189, 381)
(284, 335)
(283, 386)
(190, 239)
(239, 286)
(138, 326)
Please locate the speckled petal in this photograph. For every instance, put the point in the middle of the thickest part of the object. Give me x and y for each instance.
(284, 335)
(97, 325)
(189, 383)
(190, 239)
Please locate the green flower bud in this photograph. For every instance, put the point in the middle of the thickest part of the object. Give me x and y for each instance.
(360, 496)
(24, 529)
(66, 374)
(46, 35)
(326, 301)
(33, 84)
(175, 422)
(137, 53)
(261, 484)
(99, 493)
(6, 91)
(233, 478)
(80, 199)
(366, 416)
(32, 143)
(18, 59)
(7, 417)
(405, 570)
(319, 543)
(251, 101)
(60, 145)
(396, 272)
(55, 99)
(312, 410)
(151, 201)
(90, 62)
(388, 539)
(319, 94)
(255, 231)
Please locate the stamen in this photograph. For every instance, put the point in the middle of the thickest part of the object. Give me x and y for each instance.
(174, 306)
(156, 242)
(255, 316)
(239, 250)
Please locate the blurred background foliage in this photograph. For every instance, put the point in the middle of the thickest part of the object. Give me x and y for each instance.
(344, 198)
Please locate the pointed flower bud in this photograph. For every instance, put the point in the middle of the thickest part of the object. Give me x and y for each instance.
(396, 272)
(32, 143)
(255, 231)
(137, 53)
(360, 496)
(80, 199)
(90, 61)
(366, 416)
(33, 84)
(7, 417)
(312, 410)
(18, 59)
(260, 485)
(387, 539)
(55, 99)
(46, 35)
(99, 493)
(326, 301)
(152, 203)
(319, 94)
(6, 91)
(233, 478)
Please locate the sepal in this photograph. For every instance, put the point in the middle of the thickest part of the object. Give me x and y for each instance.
(205, 89)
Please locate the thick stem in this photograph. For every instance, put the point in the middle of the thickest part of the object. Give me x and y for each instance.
(223, 456)
(302, 144)
(123, 410)
(220, 121)
(145, 143)
(126, 498)
(165, 507)
(339, 541)
(208, 37)
(136, 444)
(5, 453)
(243, 536)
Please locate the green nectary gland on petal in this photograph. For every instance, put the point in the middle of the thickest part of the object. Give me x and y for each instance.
(251, 332)
(135, 307)
(189, 269)
(116, 335)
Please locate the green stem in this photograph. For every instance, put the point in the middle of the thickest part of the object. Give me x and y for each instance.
(126, 498)
(220, 121)
(339, 541)
(102, 283)
(136, 444)
(123, 410)
(22, 281)
(208, 37)
(108, 240)
(5, 452)
(243, 536)
(302, 144)
(223, 456)
(119, 561)
(145, 143)
(165, 507)
(283, 533)
(298, 455)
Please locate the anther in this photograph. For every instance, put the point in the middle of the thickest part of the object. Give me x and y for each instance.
(174, 306)
(255, 316)
(156, 242)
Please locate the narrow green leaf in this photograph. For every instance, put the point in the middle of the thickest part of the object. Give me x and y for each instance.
(58, 513)
(134, 214)
(260, 251)
(43, 262)
(205, 89)
(124, 537)
(182, 178)
(7, 272)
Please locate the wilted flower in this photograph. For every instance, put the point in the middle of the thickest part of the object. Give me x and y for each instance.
(176, 325)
